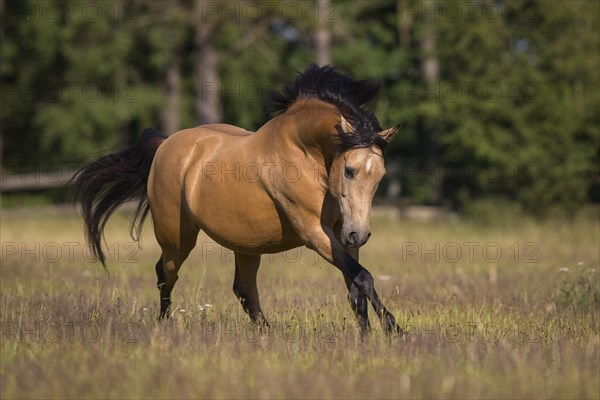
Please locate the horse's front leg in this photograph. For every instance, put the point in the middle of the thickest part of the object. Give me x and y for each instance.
(324, 242)
(358, 300)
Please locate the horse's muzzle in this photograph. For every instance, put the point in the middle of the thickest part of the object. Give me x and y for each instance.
(355, 239)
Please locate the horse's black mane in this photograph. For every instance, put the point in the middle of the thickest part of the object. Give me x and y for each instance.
(344, 92)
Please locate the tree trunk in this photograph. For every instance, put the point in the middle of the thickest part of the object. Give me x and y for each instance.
(172, 112)
(206, 70)
(430, 73)
(323, 34)
(405, 24)
(1, 108)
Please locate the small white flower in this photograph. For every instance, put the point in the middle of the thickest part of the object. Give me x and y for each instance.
(208, 305)
(145, 309)
(564, 269)
(200, 308)
(580, 264)
(182, 310)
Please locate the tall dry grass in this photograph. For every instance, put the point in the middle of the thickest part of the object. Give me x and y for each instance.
(522, 323)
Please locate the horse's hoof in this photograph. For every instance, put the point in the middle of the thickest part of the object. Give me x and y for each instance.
(392, 328)
(399, 331)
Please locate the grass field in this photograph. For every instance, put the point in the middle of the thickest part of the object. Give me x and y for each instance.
(507, 310)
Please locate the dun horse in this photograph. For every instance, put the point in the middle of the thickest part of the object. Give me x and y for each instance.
(310, 174)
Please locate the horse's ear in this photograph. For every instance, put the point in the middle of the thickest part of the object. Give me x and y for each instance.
(388, 134)
(345, 125)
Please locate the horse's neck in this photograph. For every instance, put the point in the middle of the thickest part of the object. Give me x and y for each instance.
(308, 125)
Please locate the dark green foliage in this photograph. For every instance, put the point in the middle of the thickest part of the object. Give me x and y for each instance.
(511, 114)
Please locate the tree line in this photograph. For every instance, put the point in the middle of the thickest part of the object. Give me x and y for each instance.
(495, 98)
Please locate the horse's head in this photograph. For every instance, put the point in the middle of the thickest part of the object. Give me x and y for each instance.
(320, 102)
(354, 176)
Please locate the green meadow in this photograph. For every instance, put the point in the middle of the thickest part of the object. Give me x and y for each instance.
(508, 309)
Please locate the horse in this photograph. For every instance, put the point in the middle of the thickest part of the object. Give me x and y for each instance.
(307, 177)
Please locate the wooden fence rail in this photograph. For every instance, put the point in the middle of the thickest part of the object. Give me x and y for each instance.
(34, 181)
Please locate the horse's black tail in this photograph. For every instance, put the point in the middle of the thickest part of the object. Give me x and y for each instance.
(105, 184)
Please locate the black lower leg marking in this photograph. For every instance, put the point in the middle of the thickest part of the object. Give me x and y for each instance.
(165, 298)
(358, 302)
(160, 274)
(365, 280)
(165, 305)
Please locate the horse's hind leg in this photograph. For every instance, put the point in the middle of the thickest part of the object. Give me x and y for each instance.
(167, 269)
(245, 288)
(174, 230)
(161, 281)
(177, 238)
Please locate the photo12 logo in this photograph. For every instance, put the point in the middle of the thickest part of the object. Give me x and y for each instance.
(462, 11)
(470, 92)
(291, 332)
(454, 252)
(54, 252)
(67, 12)
(69, 93)
(272, 11)
(69, 332)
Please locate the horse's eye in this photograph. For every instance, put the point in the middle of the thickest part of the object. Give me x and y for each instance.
(349, 172)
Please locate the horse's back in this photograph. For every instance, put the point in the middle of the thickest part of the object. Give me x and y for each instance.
(226, 129)
(202, 141)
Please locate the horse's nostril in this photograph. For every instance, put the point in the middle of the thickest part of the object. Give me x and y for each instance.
(352, 237)
(368, 235)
